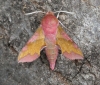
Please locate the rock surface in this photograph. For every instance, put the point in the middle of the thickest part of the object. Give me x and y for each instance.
(16, 28)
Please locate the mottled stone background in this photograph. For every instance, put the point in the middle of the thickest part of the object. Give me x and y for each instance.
(16, 28)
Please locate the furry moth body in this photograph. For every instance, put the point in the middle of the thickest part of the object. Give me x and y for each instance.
(51, 36)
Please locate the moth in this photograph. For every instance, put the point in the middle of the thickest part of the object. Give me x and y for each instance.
(51, 37)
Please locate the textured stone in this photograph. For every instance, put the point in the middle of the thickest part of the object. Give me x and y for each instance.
(16, 29)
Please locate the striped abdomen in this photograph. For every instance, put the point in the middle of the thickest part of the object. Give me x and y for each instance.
(51, 52)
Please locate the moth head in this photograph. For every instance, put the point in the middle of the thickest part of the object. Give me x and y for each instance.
(49, 23)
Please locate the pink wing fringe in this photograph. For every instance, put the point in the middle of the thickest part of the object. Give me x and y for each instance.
(72, 56)
(29, 58)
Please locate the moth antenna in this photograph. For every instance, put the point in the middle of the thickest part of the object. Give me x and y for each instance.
(34, 12)
(58, 13)
(73, 13)
(65, 12)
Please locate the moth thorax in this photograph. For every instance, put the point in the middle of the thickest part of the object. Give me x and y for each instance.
(49, 23)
